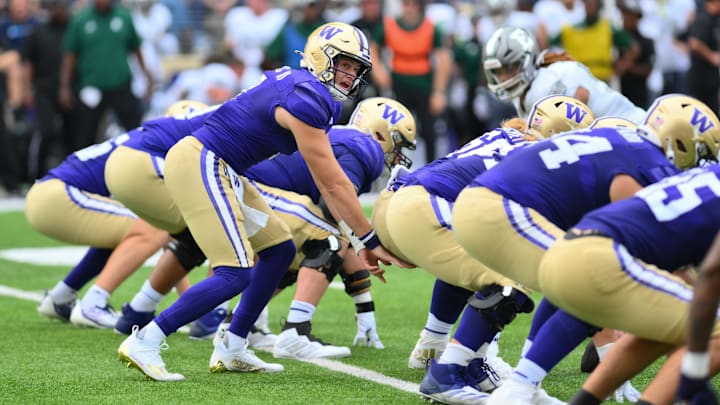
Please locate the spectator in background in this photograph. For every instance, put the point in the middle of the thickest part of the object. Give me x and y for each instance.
(95, 72)
(371, 16)
(703, 77)
(9, 165)
(419, 70)
(555, 14)
(214, 22)
(215, 82)
(667, 22)
(187, 26)
(152, 22)
(248, 30)
(524, 17)
(592, 42)
(15, 27)
(292, 36)
(42, 56)
(634, 76)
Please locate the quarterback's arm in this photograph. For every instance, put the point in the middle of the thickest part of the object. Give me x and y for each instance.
(331, 180)
(622, 187)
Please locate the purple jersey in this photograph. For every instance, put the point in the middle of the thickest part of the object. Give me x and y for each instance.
(669, 224)
(570, 174)
(360, 156)
(85, 168)
(243, 131)
(447, 176)
(159, 135)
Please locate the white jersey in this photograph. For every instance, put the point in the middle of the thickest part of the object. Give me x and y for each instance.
(565, 78)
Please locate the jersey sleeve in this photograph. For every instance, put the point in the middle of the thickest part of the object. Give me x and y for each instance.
(363, 161)
(309, 106)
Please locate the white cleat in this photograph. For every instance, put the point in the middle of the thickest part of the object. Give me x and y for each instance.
(261, 339)
(242, 359)
(500, 366)
(135, 352)
(543, 398)
(430, 346)
(290, 345)
(94, 317)
(52, 310)
(512, 392)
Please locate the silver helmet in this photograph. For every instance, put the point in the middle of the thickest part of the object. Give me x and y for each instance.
(509, 61)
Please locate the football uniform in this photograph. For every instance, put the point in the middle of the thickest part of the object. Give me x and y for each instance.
(533, 195)
(204, 170)
(565, 78)
(287, 186)
(418, 215)
(134, 172)
(72, 202)
(613, 269)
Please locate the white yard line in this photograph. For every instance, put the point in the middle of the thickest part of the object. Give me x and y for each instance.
(332, 365)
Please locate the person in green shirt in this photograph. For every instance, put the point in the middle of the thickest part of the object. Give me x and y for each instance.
(95, 73)
(292, 37)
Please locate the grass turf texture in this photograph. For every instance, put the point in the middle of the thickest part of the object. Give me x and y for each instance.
(52, 362)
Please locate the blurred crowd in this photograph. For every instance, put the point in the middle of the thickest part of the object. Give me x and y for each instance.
(77, 71)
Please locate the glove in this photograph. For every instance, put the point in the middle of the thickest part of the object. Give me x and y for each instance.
(367, 331)
(695, 391)
(627, 392)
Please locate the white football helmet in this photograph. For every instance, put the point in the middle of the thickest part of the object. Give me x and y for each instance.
(391, 124)
(613, 122)
(685, 128)
(323, 48)
(184, 107)
(554, 114)
(510, 61)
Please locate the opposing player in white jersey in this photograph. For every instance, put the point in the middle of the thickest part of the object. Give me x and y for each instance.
(516, 70)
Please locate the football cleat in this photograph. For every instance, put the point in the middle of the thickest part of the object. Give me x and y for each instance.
(448, 384)
(482, 376)
(500, 366)
(291, 345)
(513, 392)
(130, 318)
(241, 360)
(49, 309)
(136, 353)
(206, 326)
(430, 346)
(589, 359)
(94, 317)
(261, 339)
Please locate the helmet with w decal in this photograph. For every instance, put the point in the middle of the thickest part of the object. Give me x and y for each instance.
(391, 124)
(324, 49)
(554, 114)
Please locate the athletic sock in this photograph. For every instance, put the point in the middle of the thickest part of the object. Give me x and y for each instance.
(95, 297)
(62, 293)
(147, 299)
(300, 311)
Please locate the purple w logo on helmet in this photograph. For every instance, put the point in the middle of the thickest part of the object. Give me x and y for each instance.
(701, 121)
(575, 113)
(392, 115)
(329, 31)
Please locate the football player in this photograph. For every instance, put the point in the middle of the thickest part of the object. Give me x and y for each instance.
(72, 203)
(517, 71)
(614, 268)
(533, 195)
(380, 129)
(417, 208)
(288, 110)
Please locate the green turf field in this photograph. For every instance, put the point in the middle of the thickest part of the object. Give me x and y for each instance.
(51, 362)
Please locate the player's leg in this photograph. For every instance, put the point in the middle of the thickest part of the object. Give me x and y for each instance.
(357, 282)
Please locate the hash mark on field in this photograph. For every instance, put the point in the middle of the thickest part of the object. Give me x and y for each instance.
(357, 372)
(21, 294)
(366, 374)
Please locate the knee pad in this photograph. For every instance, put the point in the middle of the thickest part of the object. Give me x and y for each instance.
(186, 250)
(356, 283)
(499, 305)
(288, 279)
(323, 256)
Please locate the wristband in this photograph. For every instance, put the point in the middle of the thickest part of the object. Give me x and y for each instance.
(356, 243)
(370, 240)
(696, 365)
